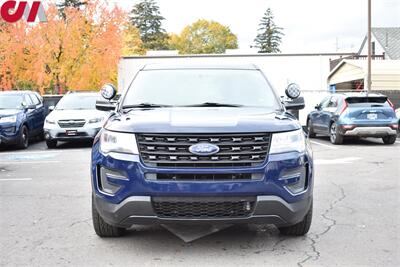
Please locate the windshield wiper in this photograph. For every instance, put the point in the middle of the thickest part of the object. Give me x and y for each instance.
(214, 104)
(146, 105)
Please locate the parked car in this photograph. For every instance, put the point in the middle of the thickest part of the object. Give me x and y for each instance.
(354, 114)
(74, 118)
(201, 145)
(21, 117)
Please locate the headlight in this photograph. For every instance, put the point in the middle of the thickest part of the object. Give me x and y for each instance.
(96, 120)
(10, 119)
(49, 121)
(118, 142)
(288, 142)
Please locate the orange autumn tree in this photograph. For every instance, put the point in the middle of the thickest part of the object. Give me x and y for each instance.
(78, 52)
(15, 56)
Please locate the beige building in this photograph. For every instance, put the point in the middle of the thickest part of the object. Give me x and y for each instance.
(349, 75)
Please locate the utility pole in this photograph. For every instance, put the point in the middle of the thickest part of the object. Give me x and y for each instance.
(369, 82)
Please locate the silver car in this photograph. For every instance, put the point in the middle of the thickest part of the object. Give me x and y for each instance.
(74, 118)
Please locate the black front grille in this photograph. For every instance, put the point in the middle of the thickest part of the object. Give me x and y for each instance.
(201, 208)
(172, 150)
(71, 123)
(64, 135)
(203, 177)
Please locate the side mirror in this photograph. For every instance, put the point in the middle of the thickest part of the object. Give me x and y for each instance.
(108, 91)
(105, 105)
(295, 104)
(293, 91)
(32, 106)
(51, 108)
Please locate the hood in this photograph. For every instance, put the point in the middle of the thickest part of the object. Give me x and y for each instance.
(202, 120)
(76, 114)
(9, 112)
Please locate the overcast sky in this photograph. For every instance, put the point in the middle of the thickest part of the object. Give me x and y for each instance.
(309, 25)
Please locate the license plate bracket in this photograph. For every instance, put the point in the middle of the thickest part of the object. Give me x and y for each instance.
(71, 132)
(372, 116)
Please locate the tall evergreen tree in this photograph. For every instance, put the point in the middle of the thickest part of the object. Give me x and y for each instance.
(269, 35)
(147, 18)
(69, 3)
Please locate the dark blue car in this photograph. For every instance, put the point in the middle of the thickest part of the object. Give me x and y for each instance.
(201, 145)
(354, 115)
(22, 115)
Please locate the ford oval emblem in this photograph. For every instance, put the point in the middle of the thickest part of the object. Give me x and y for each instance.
(204, 149)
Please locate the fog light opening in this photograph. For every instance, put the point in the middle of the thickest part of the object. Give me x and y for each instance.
(302, 182)
(105, 183)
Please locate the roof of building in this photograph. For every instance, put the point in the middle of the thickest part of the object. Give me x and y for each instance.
(199, 66)
(377, 66)
(388, 38)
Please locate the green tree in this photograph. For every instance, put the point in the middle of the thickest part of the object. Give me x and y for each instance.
(204, 37)
(69, 3)
(132, 44)
(269, 35)
(146, 17)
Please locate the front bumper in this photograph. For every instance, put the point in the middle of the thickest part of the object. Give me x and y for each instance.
(9, 134)
(133, 202)
(371, 131)
(60, 134)
(138, 210)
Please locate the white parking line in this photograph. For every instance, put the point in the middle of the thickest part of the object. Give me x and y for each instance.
(336, 161)
(42, 152)
(29, 162)
(16, 180)
(325, 145)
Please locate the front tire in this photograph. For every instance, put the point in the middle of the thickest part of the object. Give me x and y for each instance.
(23, 140)
(334, 135)
(389, 140)
(102, 228)
(51, 144)
(300, 228)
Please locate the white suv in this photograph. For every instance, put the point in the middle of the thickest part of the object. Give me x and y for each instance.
(74, 118)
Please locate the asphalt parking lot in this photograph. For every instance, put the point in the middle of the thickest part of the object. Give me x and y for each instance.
(45, 216)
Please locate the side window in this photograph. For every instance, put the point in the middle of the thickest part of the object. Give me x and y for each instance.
(324, 103)
(27, 100)
(35, 99)
(333, 103)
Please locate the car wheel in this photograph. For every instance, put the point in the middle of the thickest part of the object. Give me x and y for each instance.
(334, 135)
(389, 140)
(51, 143)
(310, 129)
(102, 228)
(23, 140)
(300, 228)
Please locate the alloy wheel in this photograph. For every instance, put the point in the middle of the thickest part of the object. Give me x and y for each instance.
(333, 132)
(25, 137)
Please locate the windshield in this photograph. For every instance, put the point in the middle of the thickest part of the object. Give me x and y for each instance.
(10, 101)
(77, 102)
(191, 87)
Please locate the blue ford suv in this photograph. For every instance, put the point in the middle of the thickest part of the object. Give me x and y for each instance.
(354, 115)
(201, 145)
(22, 115)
